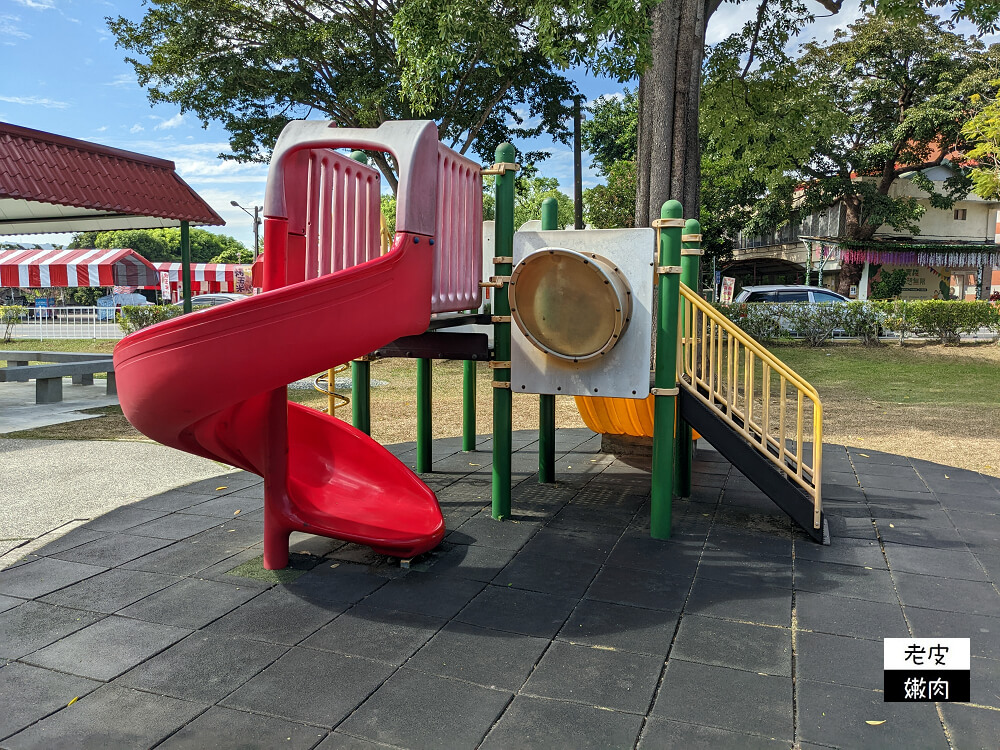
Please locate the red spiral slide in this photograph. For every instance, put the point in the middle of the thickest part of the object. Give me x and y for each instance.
(213, 383)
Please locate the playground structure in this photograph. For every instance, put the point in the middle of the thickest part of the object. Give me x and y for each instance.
(323, 261)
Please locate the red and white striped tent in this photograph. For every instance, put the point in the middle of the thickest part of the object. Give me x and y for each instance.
(208, 277)
(70, 268)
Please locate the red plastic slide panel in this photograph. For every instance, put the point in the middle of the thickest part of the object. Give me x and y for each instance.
(458, 252)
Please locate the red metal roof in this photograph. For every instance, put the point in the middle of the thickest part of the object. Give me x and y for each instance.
(48, 168)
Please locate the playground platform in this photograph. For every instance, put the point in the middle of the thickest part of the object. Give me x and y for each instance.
(567, 627)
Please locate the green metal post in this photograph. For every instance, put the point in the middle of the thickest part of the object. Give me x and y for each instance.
(690, 274)
(665, 377)
(424, 457)
(469, 405)
(186, 264)
(503, 247)
(361, 370)
(546, 401)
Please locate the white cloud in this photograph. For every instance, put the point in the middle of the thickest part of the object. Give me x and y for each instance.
(34, 101)
(37, 4)
(125, 79)
(137, 128)
(102, 129)
(8, 27)
(173, 122)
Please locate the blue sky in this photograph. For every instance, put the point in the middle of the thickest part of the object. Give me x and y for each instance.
(63, 74)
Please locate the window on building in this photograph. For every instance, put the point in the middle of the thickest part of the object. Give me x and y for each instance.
(961, 214)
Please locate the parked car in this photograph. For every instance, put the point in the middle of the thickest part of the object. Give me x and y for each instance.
(212, 300)
(789, 293)
(110, 305)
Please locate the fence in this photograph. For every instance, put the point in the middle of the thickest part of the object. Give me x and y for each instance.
(47, 323)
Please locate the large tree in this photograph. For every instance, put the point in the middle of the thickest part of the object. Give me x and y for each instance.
(253, 65)
(162, 245)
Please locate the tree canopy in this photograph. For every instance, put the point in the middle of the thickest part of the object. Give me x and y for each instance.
(982, 132)
(164, 245)
(253, 65)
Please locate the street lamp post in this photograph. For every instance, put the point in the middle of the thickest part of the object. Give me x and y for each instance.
(256, 224)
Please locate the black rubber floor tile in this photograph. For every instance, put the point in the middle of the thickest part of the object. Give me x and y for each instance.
(113, 550)
(471, 561)
(237, 533)
(192, 603)
(971, 728)
(491, 658)
(991, 564)
(43, 576)
(229, 506)
(110, 591)
(518, 611)
(744, 601)
(981, 540)
(663, 734)
(606, 625)
(717, 696)
(488, 532)
(175, 526)
(222, 485)
(947, 563)
(69, 540)
(226, 729)
(184, 558)
(110, 717)
(417, 710)
(542, 723)
(173, 500)
(837, 715)
(740, 540)
(918, 534)
(591, 518)
(107, 648)
(619, 680)
(336, 582)
(278, 617)
(30, 693)
(123, 518)
(645, 553)
(747, 568)
(983, 632)
(33, 625)
(986, 503)
(974, 521)
(851, 528)
(854, 617)
(304, 685)
(571, 544)
(640, 588)
(426, 594)
(203, 668)
(843, 660)
(753, 648)
(9, 602)
(849, 581)
(549, 575)
(375, 633)
(948, 594)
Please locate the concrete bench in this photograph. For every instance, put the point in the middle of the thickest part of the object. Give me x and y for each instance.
(49, 377)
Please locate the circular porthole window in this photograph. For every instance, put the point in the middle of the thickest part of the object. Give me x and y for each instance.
(570, 305)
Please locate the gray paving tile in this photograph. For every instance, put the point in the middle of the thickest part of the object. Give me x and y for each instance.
(222, 485)
(836, 715)
(191, 603)
(113, 549)
(985, 678)
(226, 729)
(542, 723)
(173, 500)
(72, 538)
(175, 526)
(854, 617)
(278, 617)
(9, 602)
(951, 595)
(991, 564)
(33, 625)
(662, 734)
(753, 648)
(30, 693)
(970, 727)
(110, 591)
(203, 667)
(107, 648)
(640, 588)
(416, 710)
(549, 575)
(43, 576)
(607, 625)
(745, 601)
(947, 563)
(518, 611)
(426, 594)
(185, 558)
(375, 633)
(123, 518)
(851, 528)
(720, 699)
(619, 680)
(336, 582)
(491, 658)
(110, 717)
(844, 580)
(983, 632)
(321, 691)
(840, 659)
(236, 533)
(341, 741)
(981, 540)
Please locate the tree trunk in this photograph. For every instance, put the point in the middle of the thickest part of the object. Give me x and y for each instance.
(667, 163)
(854, 229)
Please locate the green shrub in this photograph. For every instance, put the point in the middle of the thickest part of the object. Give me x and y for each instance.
(135, 317)
(949, 319)
(890, 284)
(814, 322)
(759, 320)
(10, 316)
(863, 321)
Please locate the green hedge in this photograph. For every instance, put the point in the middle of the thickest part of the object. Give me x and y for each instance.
(134, 317)
(945, 320)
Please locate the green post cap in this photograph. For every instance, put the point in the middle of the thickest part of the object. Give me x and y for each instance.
(360, 156)
(692, 226)
(550, 213)
(672, 210)
(505, 153)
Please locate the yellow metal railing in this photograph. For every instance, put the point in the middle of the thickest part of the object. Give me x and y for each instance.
(326, 383)
(757, 394)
